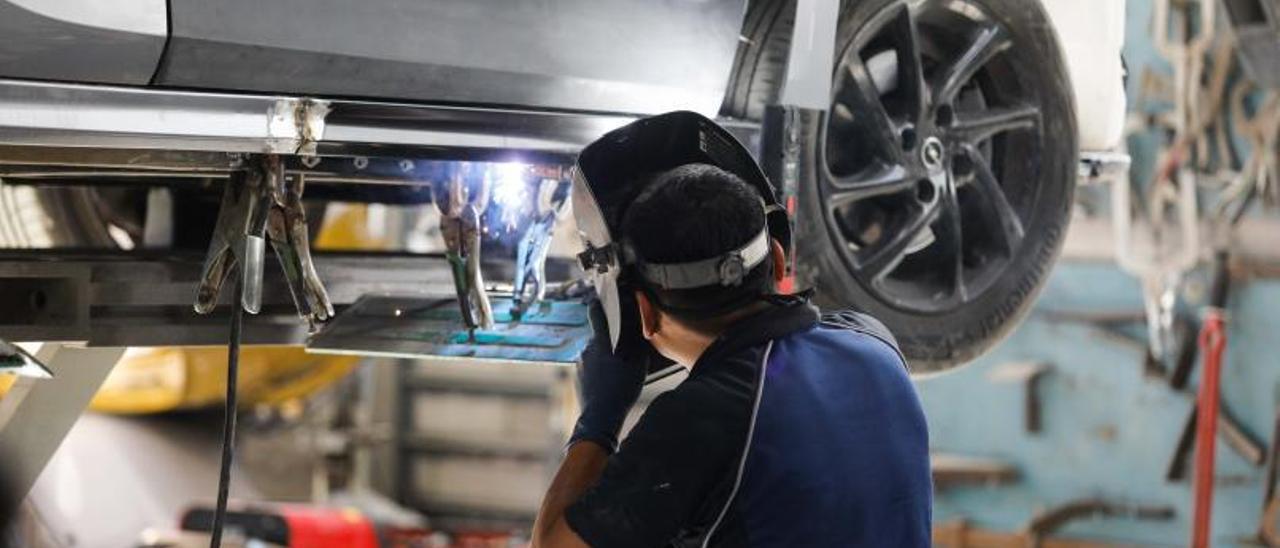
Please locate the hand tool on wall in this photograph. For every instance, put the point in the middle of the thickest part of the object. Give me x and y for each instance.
(1270, 518)
(1029, 375)
(1045, 523)
(1231, 430)
(1213, 343)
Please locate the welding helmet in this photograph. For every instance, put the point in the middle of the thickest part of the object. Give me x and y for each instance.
(612, 171)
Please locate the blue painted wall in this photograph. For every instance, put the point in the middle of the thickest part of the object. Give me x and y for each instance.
(1108, 431)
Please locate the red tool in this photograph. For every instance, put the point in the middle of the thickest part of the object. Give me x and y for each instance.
(292, 525)
(1213, 342)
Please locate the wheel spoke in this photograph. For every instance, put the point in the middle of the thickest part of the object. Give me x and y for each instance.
(906, 37)
(882, 259)
(976, 127)
(986, 43)
(952, 235)
(912, 179)
(1011, 230)
(858, 93)
(876, 181)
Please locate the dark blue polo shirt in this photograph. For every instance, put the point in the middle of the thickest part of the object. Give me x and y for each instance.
(790, 431)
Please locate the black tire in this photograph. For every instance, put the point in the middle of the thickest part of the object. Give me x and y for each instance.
(36, 217)
(760, 64)
(1034, 170)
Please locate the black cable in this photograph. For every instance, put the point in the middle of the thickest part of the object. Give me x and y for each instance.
(229, 415)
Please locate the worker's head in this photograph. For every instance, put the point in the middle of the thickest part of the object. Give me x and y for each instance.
(675, 206)
(698, 212)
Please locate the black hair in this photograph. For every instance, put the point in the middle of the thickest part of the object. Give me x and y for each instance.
(695, 212)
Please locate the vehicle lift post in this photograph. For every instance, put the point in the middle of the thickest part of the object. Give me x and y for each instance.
(36, 414)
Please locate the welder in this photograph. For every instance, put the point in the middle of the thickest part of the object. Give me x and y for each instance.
(791, 429)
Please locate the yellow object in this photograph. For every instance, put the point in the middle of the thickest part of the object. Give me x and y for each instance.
(154, 380)
(347, 226)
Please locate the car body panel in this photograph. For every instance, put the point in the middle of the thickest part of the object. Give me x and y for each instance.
(1092, 35)
(621, 56)
(632, 56)
(118, 42)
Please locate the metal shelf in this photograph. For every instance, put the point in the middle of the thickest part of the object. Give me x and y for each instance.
(476, 388)
(414, 445)
(145, 298)
(436, 445)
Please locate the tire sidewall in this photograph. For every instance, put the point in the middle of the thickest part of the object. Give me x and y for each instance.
(936, 341)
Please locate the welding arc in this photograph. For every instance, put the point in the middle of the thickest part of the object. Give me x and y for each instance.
(229, 414)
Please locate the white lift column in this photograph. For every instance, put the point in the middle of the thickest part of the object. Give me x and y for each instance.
(37, 414)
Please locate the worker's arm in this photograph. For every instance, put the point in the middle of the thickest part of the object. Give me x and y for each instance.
(646, 491)
(658, 482)
(581, 468)
(609, 388)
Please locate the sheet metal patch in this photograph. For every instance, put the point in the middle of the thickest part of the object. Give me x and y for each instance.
(432, 327)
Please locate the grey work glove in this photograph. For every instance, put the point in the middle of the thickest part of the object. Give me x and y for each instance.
(608, 387)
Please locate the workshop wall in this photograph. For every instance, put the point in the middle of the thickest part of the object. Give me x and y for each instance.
(1108, 428)
(1108, 431)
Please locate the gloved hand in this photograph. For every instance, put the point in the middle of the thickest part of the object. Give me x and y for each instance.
(608, 387)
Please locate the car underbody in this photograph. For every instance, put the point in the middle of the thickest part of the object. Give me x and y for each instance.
(112, 149)
(59, 135)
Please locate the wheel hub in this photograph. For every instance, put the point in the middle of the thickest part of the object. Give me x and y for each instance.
(933, 154)
(909, 155)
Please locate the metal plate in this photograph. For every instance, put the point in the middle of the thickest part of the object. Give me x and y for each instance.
(422, 326)
(18, 362)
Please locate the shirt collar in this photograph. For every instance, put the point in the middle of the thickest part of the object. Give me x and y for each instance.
(771, 323)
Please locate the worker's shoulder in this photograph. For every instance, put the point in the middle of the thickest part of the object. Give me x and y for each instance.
(859, 322)
(844, 337)
(724, 387)
(713, 415)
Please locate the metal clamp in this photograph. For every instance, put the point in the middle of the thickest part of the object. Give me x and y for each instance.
(287, 232)
(260, 204)
(461, 199)
(597, 258)
(530, 284)
(238, 240)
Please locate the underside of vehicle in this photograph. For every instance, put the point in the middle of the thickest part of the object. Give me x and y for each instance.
(372, 268)
(933, 192)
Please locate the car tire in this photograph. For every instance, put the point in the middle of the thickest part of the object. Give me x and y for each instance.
(1005, 196)
(41, 217)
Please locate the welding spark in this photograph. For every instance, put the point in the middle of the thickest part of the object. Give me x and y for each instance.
(510, 189)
